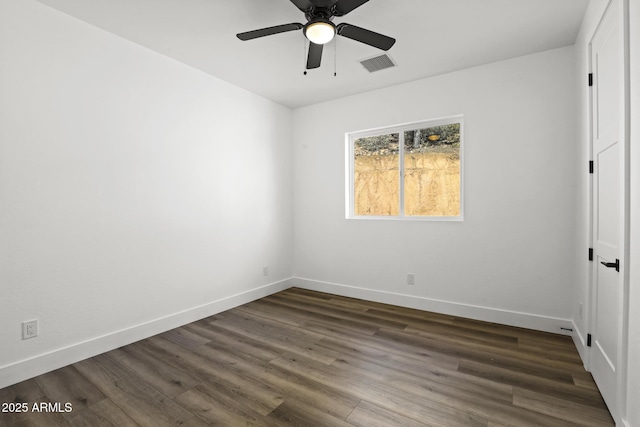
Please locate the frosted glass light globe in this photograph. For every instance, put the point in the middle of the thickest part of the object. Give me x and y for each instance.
(320, 32)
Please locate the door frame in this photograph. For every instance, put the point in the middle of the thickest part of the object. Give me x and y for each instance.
(624, 128)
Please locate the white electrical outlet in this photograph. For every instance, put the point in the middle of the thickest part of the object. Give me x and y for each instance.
(265, 270)
(29, 329)
(411, 279)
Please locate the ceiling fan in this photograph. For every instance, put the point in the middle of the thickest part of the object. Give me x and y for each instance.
(319, 29)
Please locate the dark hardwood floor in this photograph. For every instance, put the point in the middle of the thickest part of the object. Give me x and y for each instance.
(310, 359)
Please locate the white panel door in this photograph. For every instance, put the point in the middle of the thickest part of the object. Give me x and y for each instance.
(608, 156)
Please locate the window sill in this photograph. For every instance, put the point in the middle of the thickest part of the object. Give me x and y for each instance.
(407, 218)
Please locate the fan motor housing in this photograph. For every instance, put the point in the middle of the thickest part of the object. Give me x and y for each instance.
(320, 13)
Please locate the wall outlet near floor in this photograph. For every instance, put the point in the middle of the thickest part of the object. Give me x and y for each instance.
(265, 270)
(411, 279)
(29, 329)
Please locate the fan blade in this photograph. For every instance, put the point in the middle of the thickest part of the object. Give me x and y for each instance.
(365, 36)
(345, 6)
(303, 5)
(315, 55)
(249, 35)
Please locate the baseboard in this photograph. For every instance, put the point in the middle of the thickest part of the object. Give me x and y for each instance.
(487, 314)
(40, 364)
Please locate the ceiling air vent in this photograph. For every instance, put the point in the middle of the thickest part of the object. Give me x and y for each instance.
(378, 63)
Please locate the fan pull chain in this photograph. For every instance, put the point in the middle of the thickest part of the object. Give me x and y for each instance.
(335, 55)
(304, 54)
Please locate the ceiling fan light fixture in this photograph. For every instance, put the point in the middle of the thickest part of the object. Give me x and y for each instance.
(320, 31)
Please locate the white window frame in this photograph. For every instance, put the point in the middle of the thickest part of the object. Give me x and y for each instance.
(350, 138)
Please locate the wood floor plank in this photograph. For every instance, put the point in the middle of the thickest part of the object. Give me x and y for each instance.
(329, 308)
(382, 344)
(313, 294)
(584, 379)
(23, 392)
(102, 414)
(524, 380)
(67, 385)
(381, 393)
(445, 375)
(551, 351)
(405, 363)
(332, 398)
(535, 361)
(497, 356)
(262, 326)
(484, 341)
(268, 311)
(460, 333)
(482, 402)
(306, 358)
(513, 331)
(584, 415)
(411, 317)
(195, 422)
(184, 338)
(281, 337)
(260, 397)
(164, 377)
(405, 314)
(373, 306)
(224, 337)
(428, 377)
(369, 415)
(28, 392)
(291, 309)
(214, 406)
(481, 407)
(138, 400)
(34, 419)
(292, 412)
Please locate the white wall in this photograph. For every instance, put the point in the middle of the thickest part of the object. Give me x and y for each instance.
(512, 260)
(135, 193)
(633, 369)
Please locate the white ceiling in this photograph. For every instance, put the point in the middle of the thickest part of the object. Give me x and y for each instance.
(433, 37)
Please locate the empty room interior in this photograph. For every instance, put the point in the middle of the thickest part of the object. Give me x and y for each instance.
(209, 216)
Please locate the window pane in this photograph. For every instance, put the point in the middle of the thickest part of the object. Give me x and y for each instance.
(432, 171)
(377, 175)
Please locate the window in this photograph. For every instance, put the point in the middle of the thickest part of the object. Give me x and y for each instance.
(410, 171)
